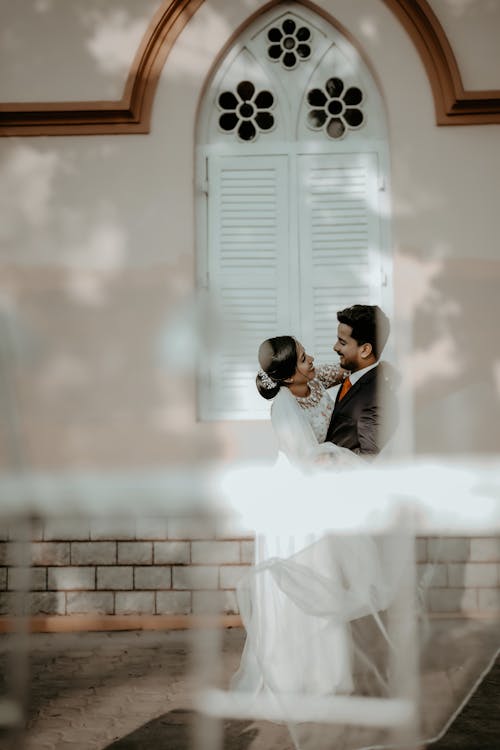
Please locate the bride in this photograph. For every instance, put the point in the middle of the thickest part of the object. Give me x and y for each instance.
(302, 407)
(307, 587)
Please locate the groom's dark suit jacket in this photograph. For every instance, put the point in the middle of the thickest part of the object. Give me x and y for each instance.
(366, 417)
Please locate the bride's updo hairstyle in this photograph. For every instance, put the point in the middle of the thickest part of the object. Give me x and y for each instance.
(278, 360)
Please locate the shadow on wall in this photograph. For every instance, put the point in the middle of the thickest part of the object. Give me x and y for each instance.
(454, 362)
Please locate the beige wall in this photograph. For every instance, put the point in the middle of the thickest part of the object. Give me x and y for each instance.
(97, 251)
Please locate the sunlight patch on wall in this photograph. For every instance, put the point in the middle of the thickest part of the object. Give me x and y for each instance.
(211, 25)
(26, 189)
(414, 280)
(115, 36)
(43, 6)
(369, 28)
(441, 360)
(95, 262)
(459, 7)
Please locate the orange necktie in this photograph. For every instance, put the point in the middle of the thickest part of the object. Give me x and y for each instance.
(346, 385)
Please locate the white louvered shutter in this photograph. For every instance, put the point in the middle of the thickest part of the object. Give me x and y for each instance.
(248, 275)
(339, 241)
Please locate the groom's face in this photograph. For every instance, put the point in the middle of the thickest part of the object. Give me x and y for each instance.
(348, 349)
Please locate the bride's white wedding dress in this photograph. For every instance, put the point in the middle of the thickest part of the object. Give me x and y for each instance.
(309, 584)
(314, 605)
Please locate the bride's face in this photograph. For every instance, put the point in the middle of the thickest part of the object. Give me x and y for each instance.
(305, 368)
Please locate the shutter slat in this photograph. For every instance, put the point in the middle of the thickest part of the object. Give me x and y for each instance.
(339, 237)
(248, 261)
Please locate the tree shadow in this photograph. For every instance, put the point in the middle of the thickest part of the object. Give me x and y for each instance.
(174, 731)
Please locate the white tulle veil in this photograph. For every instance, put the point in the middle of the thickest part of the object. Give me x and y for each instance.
(296, 438)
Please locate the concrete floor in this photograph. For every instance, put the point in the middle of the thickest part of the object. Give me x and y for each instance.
(134, 691)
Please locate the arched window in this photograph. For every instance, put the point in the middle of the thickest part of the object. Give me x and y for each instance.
(292, 166)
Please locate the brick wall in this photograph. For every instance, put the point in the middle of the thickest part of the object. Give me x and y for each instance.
(187, 566)
(466, 573)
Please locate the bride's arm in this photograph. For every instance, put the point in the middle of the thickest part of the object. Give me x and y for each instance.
(330, 375)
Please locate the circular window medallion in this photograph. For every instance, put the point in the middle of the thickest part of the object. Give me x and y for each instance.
(245, 111)
(334, 108)
(289, 44)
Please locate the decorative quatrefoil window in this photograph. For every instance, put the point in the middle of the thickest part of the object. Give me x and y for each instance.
(334, 109)
(289, 44)
(246, 111)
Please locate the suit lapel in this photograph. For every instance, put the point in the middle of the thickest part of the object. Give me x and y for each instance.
(351, 393)
(348, 396)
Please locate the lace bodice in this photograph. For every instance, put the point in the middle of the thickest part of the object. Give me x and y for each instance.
(318, 406)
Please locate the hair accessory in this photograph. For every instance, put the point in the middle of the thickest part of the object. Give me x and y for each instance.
(266, 381)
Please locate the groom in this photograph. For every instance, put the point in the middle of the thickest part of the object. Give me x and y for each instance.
(364, 417)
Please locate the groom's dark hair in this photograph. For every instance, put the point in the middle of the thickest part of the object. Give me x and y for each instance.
(370, 325)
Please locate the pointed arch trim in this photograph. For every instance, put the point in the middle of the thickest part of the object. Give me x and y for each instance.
(132, 113)
(453, 104)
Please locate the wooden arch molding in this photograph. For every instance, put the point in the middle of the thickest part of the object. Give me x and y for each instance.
(132, 113)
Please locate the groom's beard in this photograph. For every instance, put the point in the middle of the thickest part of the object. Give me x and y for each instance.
(348, 364)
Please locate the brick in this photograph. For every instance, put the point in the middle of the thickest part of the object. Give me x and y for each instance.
(93, 553)
(421, 550)
(134, 602)
(153, 577)
(50, 553)
(4, 603)
(173, 602)
(7, 604)
(191, 527)
(195, 577)
(67, 579)
(29, 579)
(473, 574)
(229, 575)
(247, 552)
(112, 528)
(17, 553)
(86, 602)
(432, 575)
(215, 552)
(35, 603)
(448, 549)
(172, 552)
(151, 528)
(3, 579)
(66, 529)
(485, 550)
(135, 552)
(47, 603)
(214, 602)
(489, 599)
(452, 600)
(115, 577)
